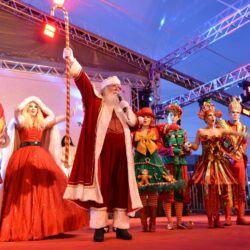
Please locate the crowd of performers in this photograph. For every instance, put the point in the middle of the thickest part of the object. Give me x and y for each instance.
(123, 163)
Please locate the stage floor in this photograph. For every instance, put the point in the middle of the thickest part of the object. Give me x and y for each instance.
(200, 237)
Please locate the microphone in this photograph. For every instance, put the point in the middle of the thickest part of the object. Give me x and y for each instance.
(120, 99)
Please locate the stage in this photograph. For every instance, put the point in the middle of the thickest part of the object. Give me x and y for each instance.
(200, 237)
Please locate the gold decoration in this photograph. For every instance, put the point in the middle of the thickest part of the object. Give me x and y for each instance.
(146, 142)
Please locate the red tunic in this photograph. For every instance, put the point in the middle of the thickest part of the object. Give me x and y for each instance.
(239, 166)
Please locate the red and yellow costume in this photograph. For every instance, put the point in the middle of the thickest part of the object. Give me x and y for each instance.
(235, 147)
(212, 170)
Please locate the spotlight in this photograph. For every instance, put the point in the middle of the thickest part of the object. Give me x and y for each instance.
(49, 30)
(245, 96)
(246, 112)
(59, 2)
(145, 97)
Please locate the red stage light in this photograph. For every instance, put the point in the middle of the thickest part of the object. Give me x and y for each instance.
(59, 2)
(49, 30)
(246, 112)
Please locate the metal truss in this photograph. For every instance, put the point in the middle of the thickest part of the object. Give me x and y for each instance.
(139, 83)
(91, 40)
(220, 26)
(208, 89)
(82, 36)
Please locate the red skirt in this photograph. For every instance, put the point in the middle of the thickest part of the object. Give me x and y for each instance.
(33, 207)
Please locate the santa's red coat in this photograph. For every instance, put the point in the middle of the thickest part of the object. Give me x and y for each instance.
(84, 182)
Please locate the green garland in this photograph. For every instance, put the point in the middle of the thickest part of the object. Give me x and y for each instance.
(163, 187)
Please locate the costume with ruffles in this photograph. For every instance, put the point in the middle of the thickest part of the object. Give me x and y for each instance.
(212, 170)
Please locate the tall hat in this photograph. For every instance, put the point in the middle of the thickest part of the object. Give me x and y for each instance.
(146, 111)
(208, 106)
(110, 80)
(234, 104)
(175, 109)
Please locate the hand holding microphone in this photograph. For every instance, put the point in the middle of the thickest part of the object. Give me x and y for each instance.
(124, 105)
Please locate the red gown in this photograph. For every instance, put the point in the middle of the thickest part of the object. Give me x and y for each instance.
(33, 207)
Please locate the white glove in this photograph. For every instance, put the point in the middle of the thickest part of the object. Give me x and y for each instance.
(140, 120)
(124, 104)
(75, 67)
(2, 140)
(67, 52)
(187, 145)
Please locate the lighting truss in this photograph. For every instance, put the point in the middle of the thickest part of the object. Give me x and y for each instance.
(207, 89)
(94, 41)
(82, 36)
(139, 83)
(220, 26)
(135, 84)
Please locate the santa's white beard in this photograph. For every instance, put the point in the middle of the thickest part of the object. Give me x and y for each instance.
(111, 99)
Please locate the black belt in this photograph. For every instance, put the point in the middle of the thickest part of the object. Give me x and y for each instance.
(30, 143)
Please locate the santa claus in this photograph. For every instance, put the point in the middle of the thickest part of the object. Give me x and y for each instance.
(103, 177)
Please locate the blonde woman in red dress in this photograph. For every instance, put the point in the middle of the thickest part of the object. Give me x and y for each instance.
(33, 207)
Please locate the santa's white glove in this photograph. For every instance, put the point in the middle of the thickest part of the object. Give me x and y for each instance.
(124, 105)
(75, 67)
(2, 140)
(140, 120)
(67, 52)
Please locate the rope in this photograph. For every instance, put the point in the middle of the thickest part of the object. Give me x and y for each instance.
(67, 133)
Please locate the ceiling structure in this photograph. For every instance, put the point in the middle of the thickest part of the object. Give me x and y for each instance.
(189, 43)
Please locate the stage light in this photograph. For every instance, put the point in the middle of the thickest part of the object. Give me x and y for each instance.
(145, 97)
(49, 30)
(60, 3)
(246, 112)
(245, 96)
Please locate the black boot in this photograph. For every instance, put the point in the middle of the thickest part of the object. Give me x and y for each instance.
(99, 235)
(123, 234)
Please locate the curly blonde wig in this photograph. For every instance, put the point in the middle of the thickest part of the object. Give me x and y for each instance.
(28, 122)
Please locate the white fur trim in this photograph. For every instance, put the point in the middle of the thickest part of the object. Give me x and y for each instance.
(83, 193)
(93, 193)
(110, 80)
(98, 217)
(121, 219)
(102, 126)
(38, 101)
(75, 69)
(140, 120)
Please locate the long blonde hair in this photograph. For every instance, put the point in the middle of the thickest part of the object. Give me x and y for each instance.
(39, 121)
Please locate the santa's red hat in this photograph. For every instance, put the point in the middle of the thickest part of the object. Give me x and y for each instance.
(109, 81)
